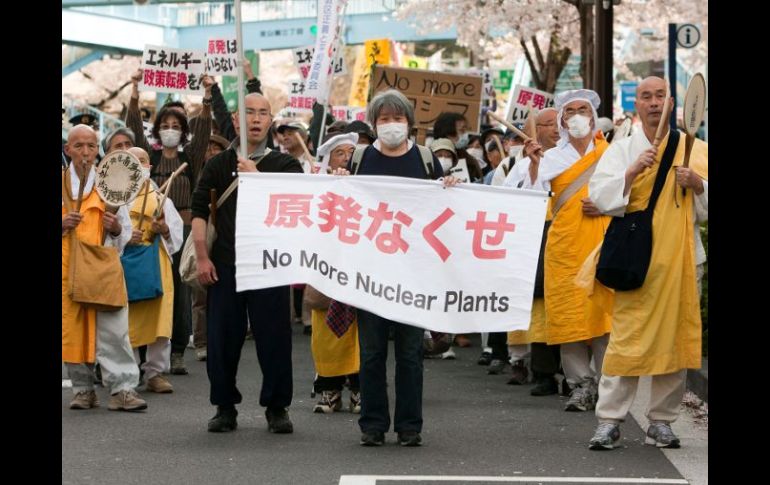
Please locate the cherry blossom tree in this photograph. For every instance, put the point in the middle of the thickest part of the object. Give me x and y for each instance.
(547, 32)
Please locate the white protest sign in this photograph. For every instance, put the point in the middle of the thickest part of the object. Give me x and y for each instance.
(454, 260)
(222, 57)
(318, 78)
(460, 171)
(303, 59)
(298, 100)
(349, 113)
(168, 70)
(523, 99)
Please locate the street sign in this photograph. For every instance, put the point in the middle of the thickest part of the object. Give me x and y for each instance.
(628, 95)
(687, 36)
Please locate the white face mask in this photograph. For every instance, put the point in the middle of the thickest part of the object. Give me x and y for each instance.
(462, 142)
(446, 163)
(170, 138)
(362, 146)
(579, 126)
(515, 151)
(476, 153)
(146, 172)
(392, 134)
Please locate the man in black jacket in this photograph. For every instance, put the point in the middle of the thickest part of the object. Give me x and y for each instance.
(227, 311)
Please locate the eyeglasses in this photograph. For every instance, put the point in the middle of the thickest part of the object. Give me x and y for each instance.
(262, 113)
(583, 110)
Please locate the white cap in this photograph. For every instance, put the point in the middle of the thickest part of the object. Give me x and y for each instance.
(332, 143)
(566, 97)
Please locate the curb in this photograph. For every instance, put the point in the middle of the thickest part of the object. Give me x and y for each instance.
(698, 380)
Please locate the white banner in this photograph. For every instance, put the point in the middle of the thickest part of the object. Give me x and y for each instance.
(222, 57)
(169, 70)
(298, 99)
(460, 171)
(327, 35)
(456, 260)
(303, 59)
(349, 113)
(523, 99)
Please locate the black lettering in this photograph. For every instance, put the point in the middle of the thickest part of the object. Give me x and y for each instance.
(406, 297)
(267, 259)
(308, 263)
(503, 303)
(450, 298)
(479, 300)
(468, 303)
(342, 278)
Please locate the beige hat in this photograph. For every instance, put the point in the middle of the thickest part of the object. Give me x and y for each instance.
(443, 144)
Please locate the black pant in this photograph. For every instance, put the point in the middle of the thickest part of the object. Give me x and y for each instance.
(298, 294)
(546, 359)
(227, 320)
(373, 340)
(499, 343)
(180, 333)
(336, 383)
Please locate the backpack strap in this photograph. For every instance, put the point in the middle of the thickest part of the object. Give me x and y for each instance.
(355, 162)
(427, 160)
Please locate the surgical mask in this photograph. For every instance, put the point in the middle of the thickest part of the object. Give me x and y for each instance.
(579, 126)
(515, 151)
(446, 163)
(392, 134)
(462, 142)
(361, 146)
(476, 153)
(170, 138)
(146, 172)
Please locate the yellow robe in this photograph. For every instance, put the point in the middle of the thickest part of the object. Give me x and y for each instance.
(149, 320)
(656, 329)
(572, 317)
(333, 356)
(537, 322)
(78, 322)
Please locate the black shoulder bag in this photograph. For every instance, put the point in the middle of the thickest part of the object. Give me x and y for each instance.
(625, 255)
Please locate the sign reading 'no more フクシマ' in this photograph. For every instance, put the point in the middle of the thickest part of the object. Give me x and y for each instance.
(433, 93)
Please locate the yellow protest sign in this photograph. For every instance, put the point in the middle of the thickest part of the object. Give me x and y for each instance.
(376, 51)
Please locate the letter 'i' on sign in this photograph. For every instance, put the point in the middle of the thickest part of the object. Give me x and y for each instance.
(687, 35)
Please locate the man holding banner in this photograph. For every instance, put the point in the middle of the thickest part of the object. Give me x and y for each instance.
(228, 312)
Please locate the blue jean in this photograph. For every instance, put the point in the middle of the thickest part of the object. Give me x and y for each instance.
(373, 340)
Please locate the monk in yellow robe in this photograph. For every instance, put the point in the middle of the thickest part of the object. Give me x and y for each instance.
(578, 324)
(89, 335)
(656, 329)
(150, 321)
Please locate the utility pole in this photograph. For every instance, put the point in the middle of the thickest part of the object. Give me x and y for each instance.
(603, 62)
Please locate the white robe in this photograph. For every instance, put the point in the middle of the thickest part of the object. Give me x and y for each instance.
(608, 182)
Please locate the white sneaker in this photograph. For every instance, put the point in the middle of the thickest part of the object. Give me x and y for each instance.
(449, 355)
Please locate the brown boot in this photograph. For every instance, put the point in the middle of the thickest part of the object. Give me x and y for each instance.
(159, 384)
(126, 401)
(84, 400)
